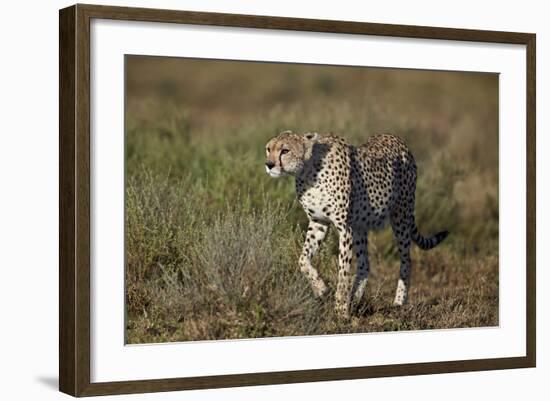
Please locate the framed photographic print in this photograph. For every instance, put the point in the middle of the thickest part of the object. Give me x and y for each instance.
(250, 200)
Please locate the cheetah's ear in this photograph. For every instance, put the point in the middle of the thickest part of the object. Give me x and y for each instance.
(312, 136)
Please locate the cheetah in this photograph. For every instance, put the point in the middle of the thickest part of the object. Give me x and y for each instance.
(354, 189)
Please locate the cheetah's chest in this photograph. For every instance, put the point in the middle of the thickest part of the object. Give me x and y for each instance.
(316, 202)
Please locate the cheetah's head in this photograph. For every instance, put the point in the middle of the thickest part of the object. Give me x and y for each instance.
(287, 153)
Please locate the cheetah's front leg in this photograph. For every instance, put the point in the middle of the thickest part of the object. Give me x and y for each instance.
(344, 264)
(316, 232)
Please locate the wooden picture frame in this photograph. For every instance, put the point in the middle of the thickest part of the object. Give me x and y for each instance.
(74, 200)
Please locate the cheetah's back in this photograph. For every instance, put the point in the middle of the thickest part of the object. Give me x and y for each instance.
(384, 178)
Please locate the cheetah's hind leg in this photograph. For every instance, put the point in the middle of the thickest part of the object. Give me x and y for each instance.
(401, 231)
(361, 253)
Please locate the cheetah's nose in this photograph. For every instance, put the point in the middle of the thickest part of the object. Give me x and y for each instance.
(270, 165)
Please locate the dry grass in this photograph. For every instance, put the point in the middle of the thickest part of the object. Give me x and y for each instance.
(213, 242)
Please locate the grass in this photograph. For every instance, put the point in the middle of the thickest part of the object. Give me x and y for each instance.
(213, 242)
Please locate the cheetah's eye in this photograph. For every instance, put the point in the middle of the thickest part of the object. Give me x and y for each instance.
(267, 149)
(284, 151)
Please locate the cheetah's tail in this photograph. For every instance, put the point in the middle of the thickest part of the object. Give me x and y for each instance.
(428, 243)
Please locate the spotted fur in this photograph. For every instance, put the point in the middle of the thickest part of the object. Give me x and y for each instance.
(355, 189)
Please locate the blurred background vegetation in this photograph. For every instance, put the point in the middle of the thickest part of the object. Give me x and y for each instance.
(213, 242)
